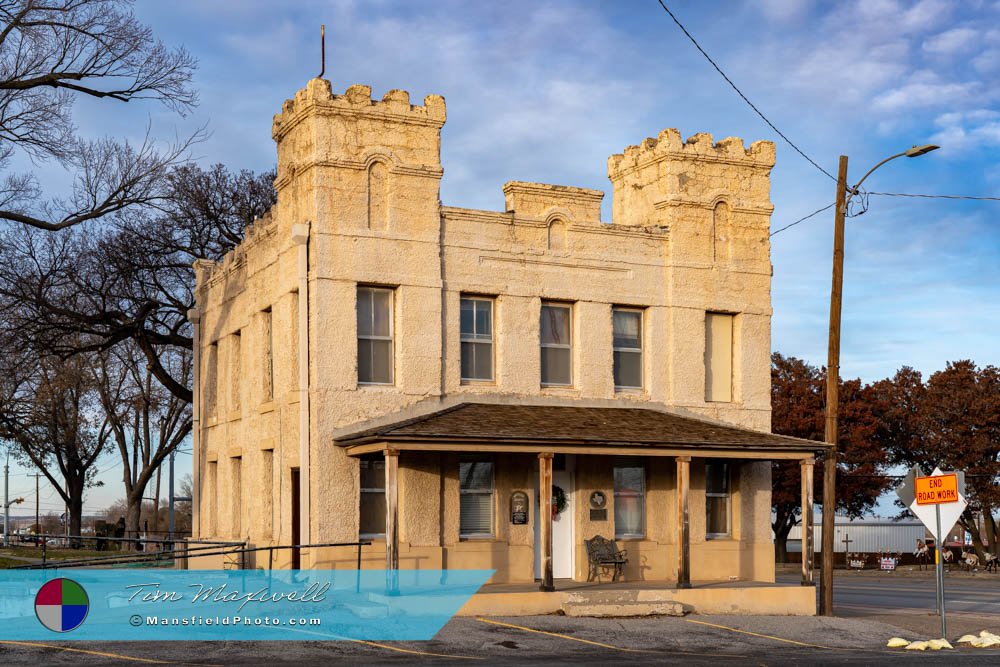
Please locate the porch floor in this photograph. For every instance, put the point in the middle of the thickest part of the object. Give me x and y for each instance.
(577, 586)
(631, 598)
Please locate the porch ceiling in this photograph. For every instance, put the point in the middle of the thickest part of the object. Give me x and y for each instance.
(491, 427)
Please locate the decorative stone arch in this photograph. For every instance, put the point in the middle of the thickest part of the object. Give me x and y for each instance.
(557, 221)
(378, 167)
(721, 229)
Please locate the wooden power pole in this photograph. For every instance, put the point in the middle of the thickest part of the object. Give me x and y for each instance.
(832, 397)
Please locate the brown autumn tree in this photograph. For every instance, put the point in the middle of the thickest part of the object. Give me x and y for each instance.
(797, 409)
(952, 422)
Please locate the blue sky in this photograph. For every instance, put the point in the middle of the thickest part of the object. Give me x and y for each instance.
(546, 90)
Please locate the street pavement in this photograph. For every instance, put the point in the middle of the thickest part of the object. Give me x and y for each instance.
(871, 608)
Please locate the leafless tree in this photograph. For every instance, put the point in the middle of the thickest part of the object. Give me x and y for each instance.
(55, 51)
(49, 408)
(147, 422)
(131, 279)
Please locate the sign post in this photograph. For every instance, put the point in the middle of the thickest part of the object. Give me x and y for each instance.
(945, 492)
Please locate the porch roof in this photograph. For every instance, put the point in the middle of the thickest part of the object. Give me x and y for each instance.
(475, 426)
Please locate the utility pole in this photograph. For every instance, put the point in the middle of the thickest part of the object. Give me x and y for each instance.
(833, 368)
(6, 502)
(832, 396)
(38, 525)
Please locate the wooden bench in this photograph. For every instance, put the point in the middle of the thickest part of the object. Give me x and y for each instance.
(604, 554)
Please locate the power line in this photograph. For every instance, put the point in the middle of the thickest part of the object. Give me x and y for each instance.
(740, 93)
(803, 219)
(924, 196)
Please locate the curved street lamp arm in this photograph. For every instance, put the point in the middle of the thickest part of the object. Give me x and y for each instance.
(853, 190)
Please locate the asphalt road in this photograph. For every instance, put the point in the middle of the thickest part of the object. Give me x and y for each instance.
(908, 599)
(872, 609)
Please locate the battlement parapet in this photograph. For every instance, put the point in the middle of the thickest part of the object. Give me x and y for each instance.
(668, 145)
(357, 100)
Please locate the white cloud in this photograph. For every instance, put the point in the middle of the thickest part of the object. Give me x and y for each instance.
(952, 42)
(921, 93)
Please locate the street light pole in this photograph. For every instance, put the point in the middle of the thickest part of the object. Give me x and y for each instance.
(833, 370)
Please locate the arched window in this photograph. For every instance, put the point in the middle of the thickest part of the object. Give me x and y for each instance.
(557, 235)
(720, 232)
(378, 196)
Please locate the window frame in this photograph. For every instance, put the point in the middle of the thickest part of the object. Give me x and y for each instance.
(728, 495)
(641, 495)
(391, 337)
(641, 312)
(479, 492)
(710, 357)
(568, 346)
(478, 342)
(362, 490)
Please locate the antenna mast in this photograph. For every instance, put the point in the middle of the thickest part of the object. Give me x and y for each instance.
(322, 50)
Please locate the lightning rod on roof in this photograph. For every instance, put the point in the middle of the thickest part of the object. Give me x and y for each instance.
(322, 50)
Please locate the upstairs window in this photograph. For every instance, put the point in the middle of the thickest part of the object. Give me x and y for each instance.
(557, 344)
(627, 343)
(477, 338)
(718, 357)
(375, 331)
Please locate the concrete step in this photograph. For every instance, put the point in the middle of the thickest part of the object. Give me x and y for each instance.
(623, 609)
(622, 603)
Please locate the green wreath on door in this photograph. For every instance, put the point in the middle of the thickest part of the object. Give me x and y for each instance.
(559, 501)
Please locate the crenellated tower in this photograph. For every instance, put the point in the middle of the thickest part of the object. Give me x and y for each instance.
(360, 164)
(714, 197)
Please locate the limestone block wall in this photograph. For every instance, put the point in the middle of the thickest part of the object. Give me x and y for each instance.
(688, 236)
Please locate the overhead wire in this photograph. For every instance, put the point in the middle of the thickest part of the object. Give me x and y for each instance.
(740, 93)
(926, 196)
(804, 218)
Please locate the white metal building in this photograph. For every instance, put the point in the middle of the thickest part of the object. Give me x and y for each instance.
(866, 535)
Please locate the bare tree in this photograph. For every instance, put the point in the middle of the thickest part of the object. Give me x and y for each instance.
(146, 421)
(131, 280)
(48, 407)
(54, 51)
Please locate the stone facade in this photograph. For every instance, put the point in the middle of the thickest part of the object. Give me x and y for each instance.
(358, 204)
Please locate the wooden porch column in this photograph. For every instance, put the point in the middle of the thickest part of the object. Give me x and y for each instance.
(391, 519)
(545, 516)
(808, 550)
(683, 526)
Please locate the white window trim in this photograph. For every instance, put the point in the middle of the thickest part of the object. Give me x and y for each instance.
(480, 492)
(728, 495)
(559, 346)
(639, 350)
(391, 337)
(472, 338)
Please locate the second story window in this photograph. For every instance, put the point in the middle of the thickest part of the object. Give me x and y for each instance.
(627, 343)
(375, 331)
(557, 344)
(477, 338)
(718, 357)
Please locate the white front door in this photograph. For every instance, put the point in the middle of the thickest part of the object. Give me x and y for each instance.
(562, 530)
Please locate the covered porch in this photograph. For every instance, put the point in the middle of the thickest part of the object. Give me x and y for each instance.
(587, 451)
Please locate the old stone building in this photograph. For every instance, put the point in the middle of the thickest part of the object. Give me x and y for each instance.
(373, 364)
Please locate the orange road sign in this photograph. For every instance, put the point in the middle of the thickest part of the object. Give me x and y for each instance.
(937, 490)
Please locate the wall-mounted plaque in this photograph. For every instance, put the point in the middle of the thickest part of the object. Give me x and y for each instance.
(598, 500)
(598, 515)
(519, 508)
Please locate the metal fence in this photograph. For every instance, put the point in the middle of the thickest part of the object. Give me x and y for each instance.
(167, 551)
